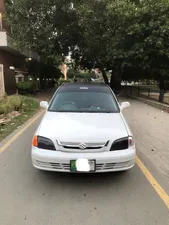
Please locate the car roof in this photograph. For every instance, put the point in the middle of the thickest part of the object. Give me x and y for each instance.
(79, 84)
(99, 87)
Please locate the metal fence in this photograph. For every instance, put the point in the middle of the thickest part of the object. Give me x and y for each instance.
(148, 92)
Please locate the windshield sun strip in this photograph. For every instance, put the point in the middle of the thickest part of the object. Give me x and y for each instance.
(69, 111)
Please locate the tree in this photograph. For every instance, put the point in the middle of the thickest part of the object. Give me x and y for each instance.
(43, 71)
(92, 45)
(81, 75)
(100, 21)
(130, 38)
(146, 42)
(43, 26)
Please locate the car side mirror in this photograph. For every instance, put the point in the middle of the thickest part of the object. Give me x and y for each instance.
(44, 104)
(124, 105)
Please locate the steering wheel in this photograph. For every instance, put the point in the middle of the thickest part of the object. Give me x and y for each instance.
(72, 105)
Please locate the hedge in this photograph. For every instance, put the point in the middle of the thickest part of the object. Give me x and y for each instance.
(25, 87)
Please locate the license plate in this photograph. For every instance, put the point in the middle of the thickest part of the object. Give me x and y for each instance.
(73, 166)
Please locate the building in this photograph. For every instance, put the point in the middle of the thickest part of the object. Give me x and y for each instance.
(12, 61)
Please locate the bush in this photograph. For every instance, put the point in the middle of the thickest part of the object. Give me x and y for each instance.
(17, 103)
(7, 107)
(25, 87)
(81, 76)
(29, 104)
(73, 73)
(62, 81)
(1, 109)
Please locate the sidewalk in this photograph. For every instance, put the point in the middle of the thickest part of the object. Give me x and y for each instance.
(150, 127)
(155, 104)
(45, 95)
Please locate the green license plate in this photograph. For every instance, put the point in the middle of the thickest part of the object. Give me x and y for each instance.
(73, 168)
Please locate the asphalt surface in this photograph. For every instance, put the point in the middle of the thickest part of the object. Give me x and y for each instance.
(32, 197)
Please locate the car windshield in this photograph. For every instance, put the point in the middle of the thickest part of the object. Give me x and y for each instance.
(87, 99)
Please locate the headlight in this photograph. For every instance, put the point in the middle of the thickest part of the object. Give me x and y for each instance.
(44, 143)
(122, 144)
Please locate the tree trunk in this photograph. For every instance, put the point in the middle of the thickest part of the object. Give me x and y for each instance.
(162, 90)
(147, 82)
(105, 76)
(161, 96)
(115, 82)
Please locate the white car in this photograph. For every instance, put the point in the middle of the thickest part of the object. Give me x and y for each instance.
(83, 130)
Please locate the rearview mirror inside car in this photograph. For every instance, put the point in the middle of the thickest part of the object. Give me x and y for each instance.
(44, 104)
(124, 105)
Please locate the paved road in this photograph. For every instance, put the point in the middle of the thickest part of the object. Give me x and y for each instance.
(31, 197)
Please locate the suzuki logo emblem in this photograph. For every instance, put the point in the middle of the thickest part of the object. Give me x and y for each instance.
(82, 146)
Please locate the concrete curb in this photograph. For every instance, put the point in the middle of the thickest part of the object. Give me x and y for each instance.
(155, 104)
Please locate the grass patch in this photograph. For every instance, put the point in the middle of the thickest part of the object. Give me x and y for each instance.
(25, 106)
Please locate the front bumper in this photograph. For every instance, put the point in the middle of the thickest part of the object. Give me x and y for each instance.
(105, 161)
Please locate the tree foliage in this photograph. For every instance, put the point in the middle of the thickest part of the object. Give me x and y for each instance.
(81, 75)
(130, 38)
(43, 26)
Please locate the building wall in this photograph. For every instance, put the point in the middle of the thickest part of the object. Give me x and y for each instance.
(2, 5)
(8, 59)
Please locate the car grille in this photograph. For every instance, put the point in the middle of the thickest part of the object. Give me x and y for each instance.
(68, 147)
(57, 166)
(82, 146)
(66, 166)
(108, 166)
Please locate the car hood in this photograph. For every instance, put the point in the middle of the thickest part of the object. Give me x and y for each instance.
(82, 126)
